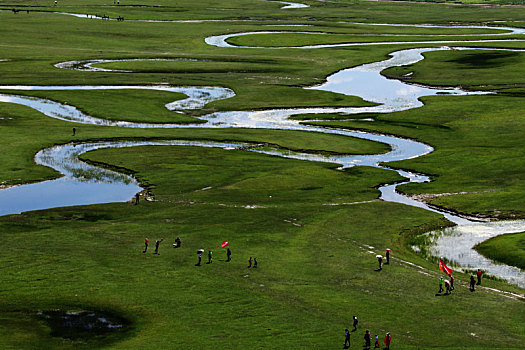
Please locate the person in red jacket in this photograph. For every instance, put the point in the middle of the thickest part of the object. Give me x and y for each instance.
(478, 273)
(367, 339)
(146, 241)
(388, 339)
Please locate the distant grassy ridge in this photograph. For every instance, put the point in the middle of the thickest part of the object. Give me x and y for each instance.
(508, 249)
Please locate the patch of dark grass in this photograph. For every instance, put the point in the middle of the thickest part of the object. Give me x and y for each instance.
(486, 59)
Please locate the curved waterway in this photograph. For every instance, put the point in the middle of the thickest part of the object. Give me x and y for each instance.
(81, 179)
(222, 40)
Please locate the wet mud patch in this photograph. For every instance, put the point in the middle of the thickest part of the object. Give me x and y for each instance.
(85, 325)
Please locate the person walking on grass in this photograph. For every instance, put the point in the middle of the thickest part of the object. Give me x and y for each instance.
(254, 263)
(380, 261)
(355, 323)
(347, 338)
(74, 131)
(367, 339)
(440, 284)
(250, 262)
(199, 255)
(377, 345)
(146, 242)
(478, 274)
(472, 283)
(447, 287)
(387, 256)
(451, 282)
(157, 245)
(388, 339)
(228, 254)
(209, 256)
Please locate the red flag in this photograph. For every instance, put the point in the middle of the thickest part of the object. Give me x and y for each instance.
(224, 244)
(444, 267)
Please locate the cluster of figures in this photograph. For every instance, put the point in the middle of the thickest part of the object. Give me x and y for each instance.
(367, 338)
(252, 262)
(210, 256)
(157, 245)
(103, 17)
(380, 259)
(449, 284)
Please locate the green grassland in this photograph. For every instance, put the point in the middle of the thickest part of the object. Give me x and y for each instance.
(508, 249)
(314, 229)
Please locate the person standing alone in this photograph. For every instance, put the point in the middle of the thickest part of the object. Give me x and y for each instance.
(478, 273)
(347, 338)
(388, 339)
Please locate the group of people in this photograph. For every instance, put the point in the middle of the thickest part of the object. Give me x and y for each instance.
(367, 338)
(157, 245)
(449, 284)
(252, 262)
(380, 258)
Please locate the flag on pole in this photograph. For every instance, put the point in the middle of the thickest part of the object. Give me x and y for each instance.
(444, 267)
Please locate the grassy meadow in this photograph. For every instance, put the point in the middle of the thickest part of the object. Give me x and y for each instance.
(314, 229)
(508, 249)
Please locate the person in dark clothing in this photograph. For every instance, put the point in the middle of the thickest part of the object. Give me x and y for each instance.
(367, 339)
(355, 323)
(146, 242)
(199, 254)
(387, 256)
(380, 261)
(137, 197)
(472, 283)
(347, 338)
(209, 256)
(74, 131)
(157, 244)
(377, 345)
(177, 243)
(254, 263)
(250, 262)
(478, 274)
(451, 282)
(228, 254)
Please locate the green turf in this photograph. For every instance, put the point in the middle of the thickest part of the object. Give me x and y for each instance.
(314, 229)
(508, 249)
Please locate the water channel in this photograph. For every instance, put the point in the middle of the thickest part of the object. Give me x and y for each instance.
(85, 184)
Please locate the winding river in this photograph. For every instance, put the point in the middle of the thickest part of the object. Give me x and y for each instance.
(86, 184)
